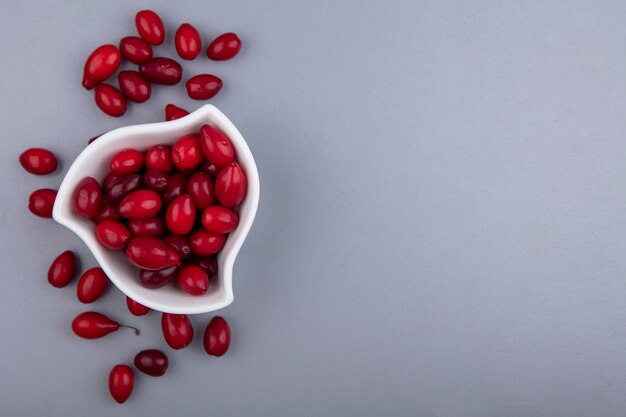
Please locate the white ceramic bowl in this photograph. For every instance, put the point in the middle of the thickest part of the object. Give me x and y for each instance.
(94, 162)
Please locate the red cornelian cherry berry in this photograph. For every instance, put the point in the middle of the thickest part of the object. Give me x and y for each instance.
(91, 285)
(112, 234)
(101, 64)
(140, 205)
(62, 269)
(177, 330)
(201, 188)
(107, 211)
(186, 152)
(180, 245)
(210, 168)
(161, 70)
(151, 362)
(159, 157)
(208, 263)
(216, 147)
(193, 280)
(203, 86)
(218, 219)
(217, 336)
(135, 49)
(150, 27)
(155, 180)
(136, 308)
(134, 87)
(151, 253)
(94, 325)
(110, 100)
(154, 226)
(121, 383)
(176, 184)
(126, 161)
(41, 202)
(121, 186)
(204, 243)
(38, 161)
(158, 278)
(224, 47)
(188, 42)
(88, 197)
(180, 215)
(173, 112)
(231, 185)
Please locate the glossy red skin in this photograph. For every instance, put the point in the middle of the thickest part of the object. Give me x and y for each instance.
(140, 205)
(218, 219)
(180, 215)
(177, 330)
(151, 253)
(186, 152)
(154, 226)
(210, 168)
(180, 245)
(112, 234)
(217, 337)
(150, 27)
(93, 325)
(208, 263)
(41, 202)
(121, 186)
(193, 280)
(91, 285)
(201, 188)
(216, 147)
(155, 180)
(204, 243)
(88, 197)
(136, 308)
(231, 185)
(121, 383)
(188, 42)
(110, 100)
(135, 49)
(111, 176)
(151, 362)
(134, 87)
(101, 64)
(126, 161)
(161, 70)
(224, 47)
(159, 278)
(159, 157)
(38, 161)
(176, 185)
(173, 112)
(107, 211)
(203, 86)
(62, 269)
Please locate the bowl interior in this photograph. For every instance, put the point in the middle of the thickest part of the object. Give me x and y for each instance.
(94, 162)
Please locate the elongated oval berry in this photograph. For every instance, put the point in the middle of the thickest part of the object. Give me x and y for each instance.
(231, 185)
(159, 157)
(217, 336)
(201, 189)
(203, 86)
(126, 161)
(41, 202)
(134, 86)
(208, 263)
(108, 180)
(88, 197)
(150, 27)
(121, 186)
(193, 280)
(180, 245)
(151, 362)
(112, 234)
(110, 100)
(224, 47)
(188, 42)
(161, 70)
(158, 278)
(62, 269)
(140, 205)
(148, 252)
(136, 309)
(135, 49)
(177, 330)
(186, 152)
(153, 226)
(176, 184)
(173, 112)
(155, 180)
(218, 219)
(38, 161)
(204, 243)
(216, 147)
(101, 64)
(93, 325)
(91, 285)
(180, 215)
(121, 383)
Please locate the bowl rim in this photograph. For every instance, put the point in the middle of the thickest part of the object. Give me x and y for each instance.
(64, 216)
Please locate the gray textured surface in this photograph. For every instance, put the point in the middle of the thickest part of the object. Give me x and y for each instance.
(442, 220)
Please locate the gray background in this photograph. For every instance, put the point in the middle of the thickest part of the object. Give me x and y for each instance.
(442, 221)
